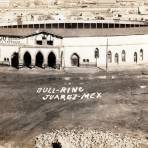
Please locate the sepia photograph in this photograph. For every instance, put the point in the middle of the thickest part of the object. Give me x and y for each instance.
(73, 73)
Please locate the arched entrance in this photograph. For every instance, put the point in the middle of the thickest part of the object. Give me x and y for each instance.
(39, 59)
(27, 59)
(52, 60)
(75, 60)
(15, 60)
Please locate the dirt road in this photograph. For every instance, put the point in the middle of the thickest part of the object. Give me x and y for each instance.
(122, 107)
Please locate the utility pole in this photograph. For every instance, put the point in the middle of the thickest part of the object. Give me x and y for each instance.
(107, 55)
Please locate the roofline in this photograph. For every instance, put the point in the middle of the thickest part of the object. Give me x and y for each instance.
(33, 34)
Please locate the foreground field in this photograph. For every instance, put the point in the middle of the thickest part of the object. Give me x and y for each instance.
(121, 108)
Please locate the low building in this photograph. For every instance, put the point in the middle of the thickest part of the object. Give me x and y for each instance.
(81, 47)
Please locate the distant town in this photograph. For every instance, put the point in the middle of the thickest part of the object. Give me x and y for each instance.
(39, 10)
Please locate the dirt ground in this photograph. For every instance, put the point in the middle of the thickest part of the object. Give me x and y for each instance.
(123, 106)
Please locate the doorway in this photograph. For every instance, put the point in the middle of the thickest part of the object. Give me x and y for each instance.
(52, 60)
(15, 60)
(39, 59)
(75, 60)
(27, 59)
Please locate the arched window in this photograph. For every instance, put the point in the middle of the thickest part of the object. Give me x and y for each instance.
(141, 54)
(135, 57)
(123, 55)
(50, 40)
(109, 56)
(97, 53)
(39, 39)
(116, 58)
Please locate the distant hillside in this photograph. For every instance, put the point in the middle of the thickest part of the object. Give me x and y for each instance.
(29, 3)
(87, 1)
(45, 2)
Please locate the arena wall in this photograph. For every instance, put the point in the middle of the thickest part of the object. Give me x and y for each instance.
(113, 51)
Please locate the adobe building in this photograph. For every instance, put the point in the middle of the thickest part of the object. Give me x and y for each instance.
(74, 44)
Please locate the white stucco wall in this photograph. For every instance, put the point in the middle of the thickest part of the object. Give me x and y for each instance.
(130, 44)
(85, 47)
(7, 52)
(32, 40)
